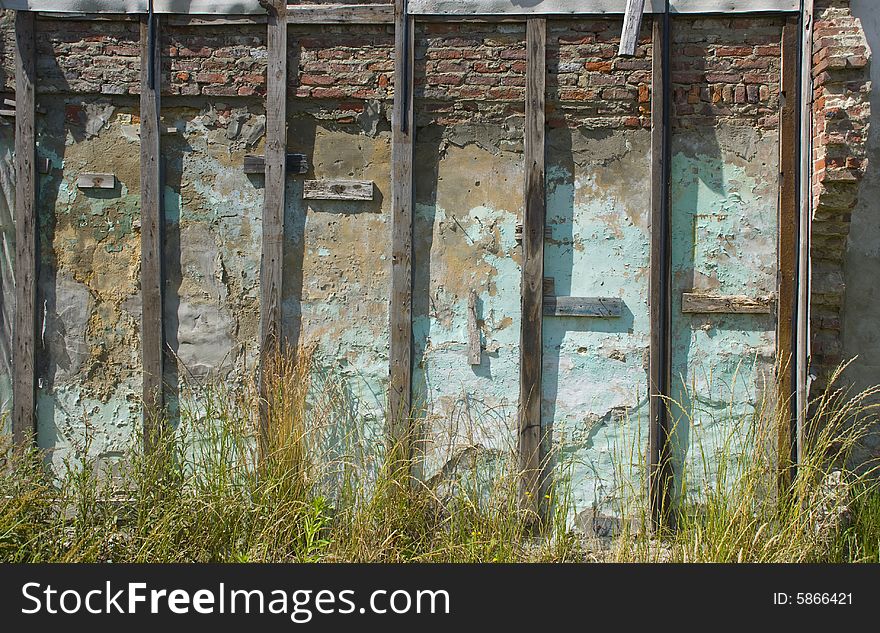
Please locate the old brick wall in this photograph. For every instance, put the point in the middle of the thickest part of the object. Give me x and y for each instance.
(841, 115)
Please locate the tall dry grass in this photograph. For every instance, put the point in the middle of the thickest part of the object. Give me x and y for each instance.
(321, 489)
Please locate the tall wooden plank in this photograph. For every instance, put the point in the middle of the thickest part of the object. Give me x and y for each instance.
(632, 24)
(273, 198)
(787, 249)
(806, 213)
(152, 330)
(25, 324)
(531, 332)
(400, 389)
(659, 462)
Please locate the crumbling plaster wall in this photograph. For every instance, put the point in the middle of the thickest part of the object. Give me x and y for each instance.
(469, 102)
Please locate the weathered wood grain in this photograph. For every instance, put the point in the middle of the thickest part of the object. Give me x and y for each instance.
(152, 330)
(338, 190)
(632, 25)
(532, 290)
(340, 13)
(702, 303)
(273, 201)
(787, 253)
(400, 351)
(25, 323)
(295, 164)
(594, 7)
(596, 307)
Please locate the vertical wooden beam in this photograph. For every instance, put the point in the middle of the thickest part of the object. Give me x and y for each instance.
(273, 200)
(531, 332)
(632, 25)
(25, 325)
(152, 330)
(660, 475)
(787, 249)
(400, 391)
(806, 214)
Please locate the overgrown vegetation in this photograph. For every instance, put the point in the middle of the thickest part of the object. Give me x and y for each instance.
(313, 493)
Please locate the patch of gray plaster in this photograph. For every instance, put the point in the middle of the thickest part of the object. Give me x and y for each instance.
(64, 329)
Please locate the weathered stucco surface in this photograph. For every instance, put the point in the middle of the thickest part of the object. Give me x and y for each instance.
(724, 218)
(595, 380)
(337, 277)
(89, 375)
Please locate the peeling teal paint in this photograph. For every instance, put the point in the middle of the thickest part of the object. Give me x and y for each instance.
(725, 198)
(595, 380)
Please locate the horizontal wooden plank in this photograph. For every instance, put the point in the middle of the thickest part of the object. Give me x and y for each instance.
(597, 307)
(594, 7)
(340, 14)
(338, 190)
(699, 303)
(96, 181)
(296, 164)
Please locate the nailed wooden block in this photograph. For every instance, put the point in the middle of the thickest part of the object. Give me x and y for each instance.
(96, 181)
(518, 233)
(296, 164)
(596, 307)
(338, 190)
(701, 303)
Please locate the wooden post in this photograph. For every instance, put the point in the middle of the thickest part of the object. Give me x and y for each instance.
(400, 391)
(152, 330)
(531, 332)
(25, 326)
(273, 201)
(660, 475)
(787, 251)
(632, 25)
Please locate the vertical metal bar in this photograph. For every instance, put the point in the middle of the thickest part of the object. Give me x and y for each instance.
(660, 467)
(802, 344)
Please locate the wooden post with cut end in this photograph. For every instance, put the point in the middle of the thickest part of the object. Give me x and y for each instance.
(403, 134)
(152, 330)
(787, 254)
(532, 299)
(25, 325)
(632, 26)
(273, 202)
(660, 475)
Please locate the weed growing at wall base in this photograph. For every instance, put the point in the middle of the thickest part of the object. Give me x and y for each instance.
(313, 493)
